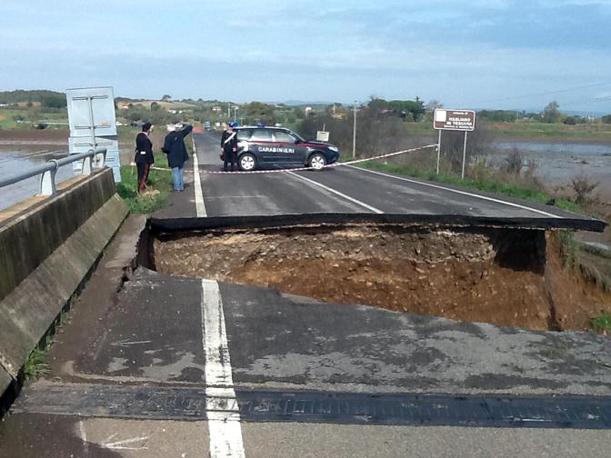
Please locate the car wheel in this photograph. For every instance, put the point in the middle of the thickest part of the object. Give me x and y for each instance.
(247, 162)
(317, 161)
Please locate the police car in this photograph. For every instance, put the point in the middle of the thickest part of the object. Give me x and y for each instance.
(277, 147)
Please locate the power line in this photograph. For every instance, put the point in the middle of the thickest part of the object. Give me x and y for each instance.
(540, 94)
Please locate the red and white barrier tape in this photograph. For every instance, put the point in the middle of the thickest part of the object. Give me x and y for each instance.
(298, 169)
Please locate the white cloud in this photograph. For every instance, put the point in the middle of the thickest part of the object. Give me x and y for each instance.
(324, 50)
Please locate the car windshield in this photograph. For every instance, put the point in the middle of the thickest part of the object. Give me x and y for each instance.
(284, 136)
(264, 135)
(244, 134)
(297, 136)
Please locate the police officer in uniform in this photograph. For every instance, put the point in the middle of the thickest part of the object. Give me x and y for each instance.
(144, 155)
(229, 146)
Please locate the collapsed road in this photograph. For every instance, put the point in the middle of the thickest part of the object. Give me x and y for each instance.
(187, 352)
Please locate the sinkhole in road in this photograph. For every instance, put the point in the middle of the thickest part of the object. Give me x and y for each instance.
(507, 277)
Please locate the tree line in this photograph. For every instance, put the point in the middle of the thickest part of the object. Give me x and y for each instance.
(46, 99)
(551, 114)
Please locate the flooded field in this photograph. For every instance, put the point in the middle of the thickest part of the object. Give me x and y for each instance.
(14, 161)
(558, 163)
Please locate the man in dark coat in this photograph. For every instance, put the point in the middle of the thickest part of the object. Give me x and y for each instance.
(174, 147)
(229, 145)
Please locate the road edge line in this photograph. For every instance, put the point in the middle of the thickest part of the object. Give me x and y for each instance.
(200, 207)
(479, 196)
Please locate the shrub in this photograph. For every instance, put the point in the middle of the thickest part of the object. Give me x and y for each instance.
(513, 162)
(602, 323)
(583, 188)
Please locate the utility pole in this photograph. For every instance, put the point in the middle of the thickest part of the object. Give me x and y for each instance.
(354, 109)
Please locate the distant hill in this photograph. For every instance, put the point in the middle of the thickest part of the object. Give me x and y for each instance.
(21, 96)
(300, 103)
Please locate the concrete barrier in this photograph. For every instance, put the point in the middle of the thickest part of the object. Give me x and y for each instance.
(45, 254)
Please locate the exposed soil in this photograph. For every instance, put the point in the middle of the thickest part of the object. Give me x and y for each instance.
(503, 277)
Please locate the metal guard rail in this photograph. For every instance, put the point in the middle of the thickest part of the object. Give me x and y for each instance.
(93, 159)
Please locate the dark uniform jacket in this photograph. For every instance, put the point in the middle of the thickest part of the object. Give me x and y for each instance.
(144, 149)
(174, 147)
(232, 145)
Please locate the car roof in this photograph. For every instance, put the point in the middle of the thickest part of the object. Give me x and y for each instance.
(264, 127)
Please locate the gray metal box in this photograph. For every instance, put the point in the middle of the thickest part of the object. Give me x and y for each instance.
(89, 107)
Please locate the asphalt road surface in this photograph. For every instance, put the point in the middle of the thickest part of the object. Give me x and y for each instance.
(342, 189)
(187, 367)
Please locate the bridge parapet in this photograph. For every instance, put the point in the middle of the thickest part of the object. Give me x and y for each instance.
(93, 159)
(46, 251)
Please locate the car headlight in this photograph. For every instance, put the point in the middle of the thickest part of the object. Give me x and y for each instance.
(335, 149)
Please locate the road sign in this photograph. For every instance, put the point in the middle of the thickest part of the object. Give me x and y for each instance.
(322, 136)
(91, 109)
(462, 120)
(91, 115)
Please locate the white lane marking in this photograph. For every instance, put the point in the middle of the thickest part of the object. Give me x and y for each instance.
(238, 196)
(200, 207)
(222, 411)
(491, 199)
(127, 343)
(327, 188)
(125, 443)
(81, 426)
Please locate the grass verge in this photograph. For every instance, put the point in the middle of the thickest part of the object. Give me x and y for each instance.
(602, 323)
(534, 131)
(160, 186)
(36, 365)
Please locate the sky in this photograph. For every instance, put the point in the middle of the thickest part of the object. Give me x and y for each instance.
(503, 54)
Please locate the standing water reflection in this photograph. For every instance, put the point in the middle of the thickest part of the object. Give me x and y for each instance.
(13, 162)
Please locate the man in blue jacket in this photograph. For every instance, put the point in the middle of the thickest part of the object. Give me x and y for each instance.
(174, 147)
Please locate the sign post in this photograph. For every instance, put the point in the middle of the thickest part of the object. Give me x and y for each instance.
(438, 150)
(354, 132)
(464, 157)
(458, 120)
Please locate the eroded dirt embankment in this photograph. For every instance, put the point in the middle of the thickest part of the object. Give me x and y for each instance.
(504, 277)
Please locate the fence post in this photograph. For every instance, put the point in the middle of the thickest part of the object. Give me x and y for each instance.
(47, 181)
(100, 159)
(86, 169)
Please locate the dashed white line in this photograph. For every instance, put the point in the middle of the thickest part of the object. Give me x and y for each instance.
(200, 207)
(465, 193)
(222, 411)
(83, 434)
(124, 444)
(344, 196)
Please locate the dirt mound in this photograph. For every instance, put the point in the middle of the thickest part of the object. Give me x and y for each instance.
(504, 277)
